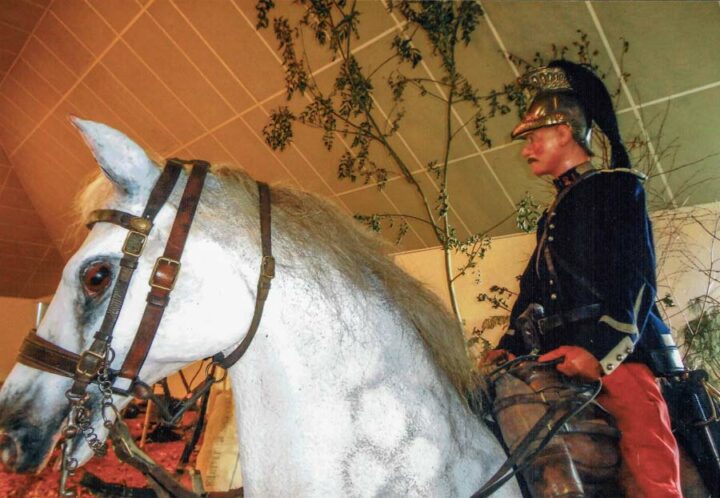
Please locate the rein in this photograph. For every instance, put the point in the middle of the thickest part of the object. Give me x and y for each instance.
(93, 364)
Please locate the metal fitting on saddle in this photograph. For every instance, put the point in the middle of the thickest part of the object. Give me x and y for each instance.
(267, 268)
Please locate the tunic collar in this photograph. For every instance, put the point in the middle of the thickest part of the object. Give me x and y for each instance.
(571, 176)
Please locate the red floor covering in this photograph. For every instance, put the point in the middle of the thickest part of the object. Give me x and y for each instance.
(108, 468)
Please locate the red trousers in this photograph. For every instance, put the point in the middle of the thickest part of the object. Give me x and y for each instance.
(647, 446)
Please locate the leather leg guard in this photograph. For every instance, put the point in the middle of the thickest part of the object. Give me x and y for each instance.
(518, 407)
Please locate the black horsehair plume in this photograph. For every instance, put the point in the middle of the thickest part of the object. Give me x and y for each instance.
(595, 99)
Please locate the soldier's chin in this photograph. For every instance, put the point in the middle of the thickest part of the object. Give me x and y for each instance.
(537, 168)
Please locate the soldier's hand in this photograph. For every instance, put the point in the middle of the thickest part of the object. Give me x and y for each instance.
(577, 362)
(495, 356)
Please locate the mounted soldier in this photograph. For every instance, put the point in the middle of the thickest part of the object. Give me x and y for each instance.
(587, 295)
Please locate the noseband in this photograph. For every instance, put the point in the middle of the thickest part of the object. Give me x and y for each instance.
(84, 368)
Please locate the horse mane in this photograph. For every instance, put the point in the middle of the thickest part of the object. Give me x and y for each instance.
(330, 238)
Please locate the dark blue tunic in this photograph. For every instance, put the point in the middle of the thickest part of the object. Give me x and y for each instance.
(593, 271)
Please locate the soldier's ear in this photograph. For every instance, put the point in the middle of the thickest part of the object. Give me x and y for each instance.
(565, 135)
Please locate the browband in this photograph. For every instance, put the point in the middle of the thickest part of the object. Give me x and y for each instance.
(126, 220)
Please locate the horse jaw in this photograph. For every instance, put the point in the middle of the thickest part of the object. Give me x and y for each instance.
(123, 161)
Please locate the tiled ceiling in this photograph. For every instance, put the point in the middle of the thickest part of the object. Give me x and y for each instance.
(194, 78)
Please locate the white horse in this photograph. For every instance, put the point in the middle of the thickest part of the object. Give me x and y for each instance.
(351, 386)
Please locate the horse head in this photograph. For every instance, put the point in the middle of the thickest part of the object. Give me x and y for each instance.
(33, 406)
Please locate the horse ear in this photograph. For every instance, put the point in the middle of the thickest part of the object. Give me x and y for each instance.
(123, 161)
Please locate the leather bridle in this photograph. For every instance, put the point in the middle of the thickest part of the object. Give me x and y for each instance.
(84, 368)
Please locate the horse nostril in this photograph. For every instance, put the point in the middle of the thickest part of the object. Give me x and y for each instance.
(8, 451)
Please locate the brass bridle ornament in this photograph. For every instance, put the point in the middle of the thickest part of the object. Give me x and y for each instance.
(93, 364)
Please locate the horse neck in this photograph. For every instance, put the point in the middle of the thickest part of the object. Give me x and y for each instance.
(332, 366)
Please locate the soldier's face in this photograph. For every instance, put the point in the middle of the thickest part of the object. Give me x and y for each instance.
(543, 151)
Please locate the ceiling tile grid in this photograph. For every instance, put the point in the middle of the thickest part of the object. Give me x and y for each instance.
(30, 263)
(196, 77)
(17, 20)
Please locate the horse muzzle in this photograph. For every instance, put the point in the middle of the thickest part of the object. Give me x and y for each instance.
(25, 445)
(22, 453)
(9, 451)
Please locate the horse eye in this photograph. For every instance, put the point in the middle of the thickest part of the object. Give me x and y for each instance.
(96, 278)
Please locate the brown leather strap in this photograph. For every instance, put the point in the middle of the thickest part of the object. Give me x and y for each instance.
(164, 275)
(121, 218)
(267, 273)
(42, 354)
(91, 360)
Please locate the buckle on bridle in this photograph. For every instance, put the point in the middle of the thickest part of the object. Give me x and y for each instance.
(134, 243)
(267, 267)
(172, 271)
(93, 366)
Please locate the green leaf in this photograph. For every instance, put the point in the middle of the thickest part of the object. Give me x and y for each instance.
(263, 8)
(528, 213)
(406, 51)
(278, 132)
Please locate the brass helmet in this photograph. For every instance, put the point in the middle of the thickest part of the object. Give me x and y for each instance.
(554, 103)
(572, 94)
